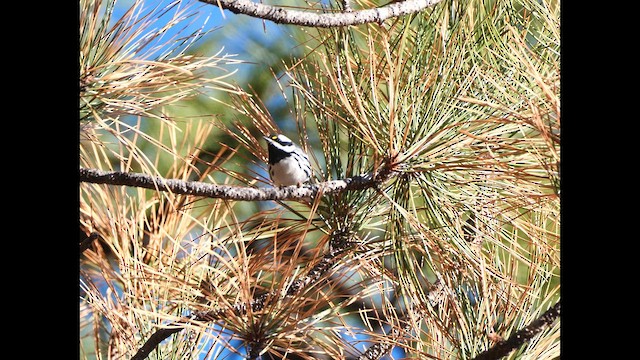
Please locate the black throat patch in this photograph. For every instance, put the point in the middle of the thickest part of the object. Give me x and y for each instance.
(276, 154)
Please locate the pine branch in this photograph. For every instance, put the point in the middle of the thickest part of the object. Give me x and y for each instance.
(502, 348)
(340, 242)
(281, 15)
(230, 192)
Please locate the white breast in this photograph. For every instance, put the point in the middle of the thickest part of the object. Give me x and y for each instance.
(286, 172)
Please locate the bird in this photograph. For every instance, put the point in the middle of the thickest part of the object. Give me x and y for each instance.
(288, 163)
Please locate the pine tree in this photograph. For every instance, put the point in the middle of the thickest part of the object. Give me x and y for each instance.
(432, 224)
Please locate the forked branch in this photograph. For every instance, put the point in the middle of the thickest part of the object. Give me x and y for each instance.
(347, 17)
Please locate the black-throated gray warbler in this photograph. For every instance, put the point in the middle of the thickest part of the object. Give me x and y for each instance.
(288, 163)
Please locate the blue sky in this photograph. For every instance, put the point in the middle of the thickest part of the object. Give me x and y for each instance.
(238, 34)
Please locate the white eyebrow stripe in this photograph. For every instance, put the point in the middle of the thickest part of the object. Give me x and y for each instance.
(283, 140)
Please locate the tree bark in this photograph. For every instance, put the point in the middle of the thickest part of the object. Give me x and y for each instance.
(230, 192)
(281, 15)
(504, 347)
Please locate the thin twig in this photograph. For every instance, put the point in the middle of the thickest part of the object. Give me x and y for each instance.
(87, 241)
(281, 15)
(502, 348)
(230, 192)
(156, 339)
